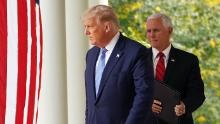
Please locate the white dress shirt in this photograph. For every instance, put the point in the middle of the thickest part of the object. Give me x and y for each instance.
(110, 48)
(155, 58)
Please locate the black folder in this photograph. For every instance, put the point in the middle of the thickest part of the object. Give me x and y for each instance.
(169, 99)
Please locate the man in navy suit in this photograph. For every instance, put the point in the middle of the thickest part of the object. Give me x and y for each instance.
(180, 69)
(121, 91)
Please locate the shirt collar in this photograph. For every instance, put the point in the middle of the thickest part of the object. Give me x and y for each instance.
(113, 42)
(165, 52)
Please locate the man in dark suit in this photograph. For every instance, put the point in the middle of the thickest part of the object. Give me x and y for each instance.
(118, 80)
(178, 69)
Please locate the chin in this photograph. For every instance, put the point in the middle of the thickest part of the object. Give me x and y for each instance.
(92, 42)
(154, 45)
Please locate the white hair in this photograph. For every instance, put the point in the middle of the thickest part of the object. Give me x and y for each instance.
(165, 19)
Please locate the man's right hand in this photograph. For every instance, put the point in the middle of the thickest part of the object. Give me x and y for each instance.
(156, 106)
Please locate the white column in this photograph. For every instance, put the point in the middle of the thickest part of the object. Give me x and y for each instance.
(76, 47)
(53, 99)
(95, 2)
(105, 2)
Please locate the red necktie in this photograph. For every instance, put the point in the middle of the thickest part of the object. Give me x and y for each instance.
(160, 68)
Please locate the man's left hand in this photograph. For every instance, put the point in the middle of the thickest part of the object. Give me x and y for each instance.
(180, 109)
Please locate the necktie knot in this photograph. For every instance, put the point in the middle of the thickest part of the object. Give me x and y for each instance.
(160, 54)
(102, 58)
(103, 50)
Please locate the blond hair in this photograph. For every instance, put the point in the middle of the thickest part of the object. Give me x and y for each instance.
(103, 13)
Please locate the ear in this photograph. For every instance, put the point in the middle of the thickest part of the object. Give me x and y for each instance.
(170, 30)
(107, 26)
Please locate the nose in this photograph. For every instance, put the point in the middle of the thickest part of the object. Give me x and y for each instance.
(86, 31)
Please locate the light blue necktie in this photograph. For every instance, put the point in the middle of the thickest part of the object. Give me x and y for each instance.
(99, 69)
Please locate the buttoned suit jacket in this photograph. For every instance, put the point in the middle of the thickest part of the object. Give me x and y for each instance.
(125, 91)
(183, 74)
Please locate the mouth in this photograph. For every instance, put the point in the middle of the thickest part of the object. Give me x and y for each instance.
(154, 40)
(89, 39)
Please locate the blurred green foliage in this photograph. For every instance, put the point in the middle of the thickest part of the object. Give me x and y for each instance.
(196, 30)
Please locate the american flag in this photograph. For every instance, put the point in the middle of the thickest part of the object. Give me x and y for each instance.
(20, 61)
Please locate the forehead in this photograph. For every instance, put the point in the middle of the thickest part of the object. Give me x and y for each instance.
(90, 20)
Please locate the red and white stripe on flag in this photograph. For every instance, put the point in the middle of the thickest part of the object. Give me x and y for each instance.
(20, 61)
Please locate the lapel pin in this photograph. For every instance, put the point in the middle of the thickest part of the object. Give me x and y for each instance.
(117, 55)
(173, 60)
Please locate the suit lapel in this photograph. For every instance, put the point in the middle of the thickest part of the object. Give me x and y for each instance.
(116, 54)
(92, 66)
(171, 65)
(150, 59)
